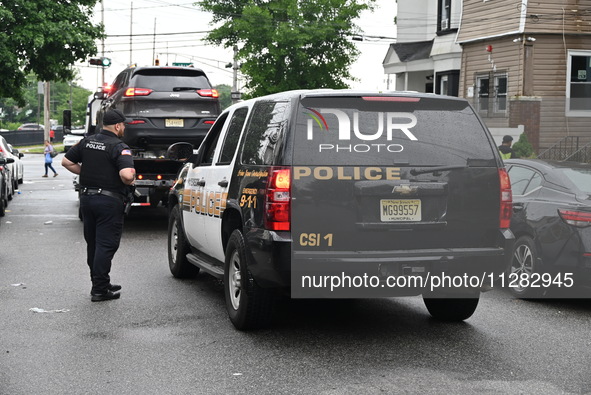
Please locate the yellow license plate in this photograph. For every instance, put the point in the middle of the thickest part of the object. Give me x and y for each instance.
(403, 210)
(175, 123)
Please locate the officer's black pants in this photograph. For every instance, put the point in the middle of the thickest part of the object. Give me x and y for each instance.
(103, 225)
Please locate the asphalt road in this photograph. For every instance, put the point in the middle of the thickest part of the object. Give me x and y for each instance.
(166, 336)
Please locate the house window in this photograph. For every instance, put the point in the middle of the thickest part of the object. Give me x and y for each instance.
(444, 17)
(578, 86)
(491, 98)
(443, 84)
(500, 87)
(482, 84)
(447, 82)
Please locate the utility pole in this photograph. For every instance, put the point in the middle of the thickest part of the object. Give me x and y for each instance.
(235, 94)
(103, 41)
(154, 44)
(131, 36)
(46, 115)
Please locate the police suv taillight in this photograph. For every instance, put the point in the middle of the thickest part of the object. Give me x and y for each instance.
(278, 199)
(506, 209)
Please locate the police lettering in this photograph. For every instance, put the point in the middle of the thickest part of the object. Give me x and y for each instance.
(203, 202)
(96, 145)
(347, 173)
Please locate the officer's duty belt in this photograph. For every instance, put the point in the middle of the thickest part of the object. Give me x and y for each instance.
(100, 191)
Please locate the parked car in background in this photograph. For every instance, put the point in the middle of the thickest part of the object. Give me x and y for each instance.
(31, 126)
(11, 177)
(16, 167)
(551, 222)
(72, 138)
(4, 191)
(20, 168)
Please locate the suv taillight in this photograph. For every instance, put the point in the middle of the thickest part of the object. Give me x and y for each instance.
(208, 93)
(506, 209)
(138, 92)
(580, 219)
(278, 199)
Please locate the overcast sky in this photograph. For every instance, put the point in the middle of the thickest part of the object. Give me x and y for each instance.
(166, 16)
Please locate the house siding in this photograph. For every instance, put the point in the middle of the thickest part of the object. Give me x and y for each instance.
(549, 80)
(556, 16)
(491, 18)
(548, 84)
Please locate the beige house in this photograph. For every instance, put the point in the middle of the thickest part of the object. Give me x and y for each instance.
(529, 63)
(426, 57)
(525, 65)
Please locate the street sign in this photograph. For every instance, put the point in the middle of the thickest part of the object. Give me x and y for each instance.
(182, 64)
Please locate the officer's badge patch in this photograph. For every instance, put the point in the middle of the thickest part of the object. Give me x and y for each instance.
(126, 152)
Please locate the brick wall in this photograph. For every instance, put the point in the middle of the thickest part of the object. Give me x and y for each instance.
(526, 111)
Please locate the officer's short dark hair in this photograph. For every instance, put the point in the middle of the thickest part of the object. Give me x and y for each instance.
(113, 117)
(507, 139)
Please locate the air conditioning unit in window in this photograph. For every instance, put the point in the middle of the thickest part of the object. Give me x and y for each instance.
(445, 24)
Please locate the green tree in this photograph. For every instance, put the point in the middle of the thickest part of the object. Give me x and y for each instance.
(225, 92)
(43, 37)
(32, 110)
(288, 44)
(523, 148)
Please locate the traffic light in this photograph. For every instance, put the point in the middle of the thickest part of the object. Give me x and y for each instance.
(156, 62)
(102, 61)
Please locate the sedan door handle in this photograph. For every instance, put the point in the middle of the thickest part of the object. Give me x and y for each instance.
(223, 183)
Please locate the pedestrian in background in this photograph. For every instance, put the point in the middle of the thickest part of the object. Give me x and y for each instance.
(48, 159)
(51, 135)
(505, 148)
(105, 165)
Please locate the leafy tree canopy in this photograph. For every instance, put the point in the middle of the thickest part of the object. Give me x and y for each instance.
(288, 44)
(43, 37)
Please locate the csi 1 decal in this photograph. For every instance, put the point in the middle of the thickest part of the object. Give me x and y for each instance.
(388, 123)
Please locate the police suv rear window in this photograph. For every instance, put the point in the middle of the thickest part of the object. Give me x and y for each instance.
(170, 80)
(264, 136)
(387, 131)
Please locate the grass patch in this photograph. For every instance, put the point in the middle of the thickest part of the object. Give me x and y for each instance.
(38, 149)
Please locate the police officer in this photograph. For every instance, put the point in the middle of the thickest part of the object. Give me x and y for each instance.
(105, 165)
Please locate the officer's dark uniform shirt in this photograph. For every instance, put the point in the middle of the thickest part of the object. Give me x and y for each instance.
(102, 156)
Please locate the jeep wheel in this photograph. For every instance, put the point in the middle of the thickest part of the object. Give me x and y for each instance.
(523, 262)
(178, 248)
(452, 309)
(2, 207)
(249, 306)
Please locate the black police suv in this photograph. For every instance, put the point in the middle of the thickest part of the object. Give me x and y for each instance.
(344, 194)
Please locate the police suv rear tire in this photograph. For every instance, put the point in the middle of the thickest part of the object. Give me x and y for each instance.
(178, 248)
(249, 306)
(452, 309)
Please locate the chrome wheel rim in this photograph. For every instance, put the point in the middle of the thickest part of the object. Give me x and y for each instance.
(523, 263)
(235, 280)
(174, 242)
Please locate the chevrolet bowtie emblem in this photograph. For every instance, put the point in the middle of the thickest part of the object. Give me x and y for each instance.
(404, 189)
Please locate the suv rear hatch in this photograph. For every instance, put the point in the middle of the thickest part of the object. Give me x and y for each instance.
(169, 105)
(393, 185)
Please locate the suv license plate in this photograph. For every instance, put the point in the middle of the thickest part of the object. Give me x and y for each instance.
(175, 123)
(405, 210)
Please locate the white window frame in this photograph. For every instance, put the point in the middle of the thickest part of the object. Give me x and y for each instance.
(497, 96)
(493, 97)
(568, 111)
